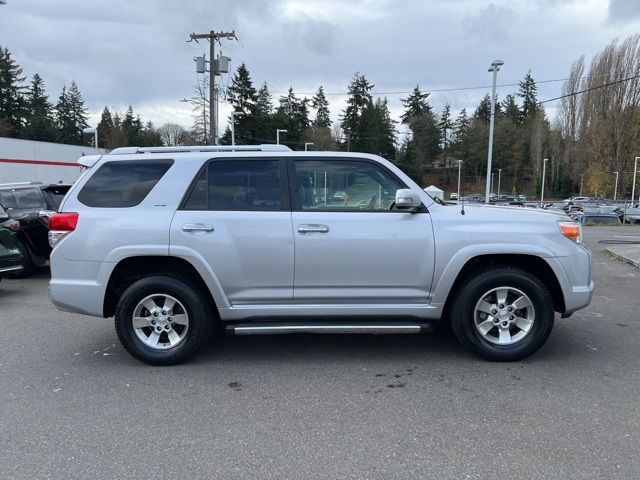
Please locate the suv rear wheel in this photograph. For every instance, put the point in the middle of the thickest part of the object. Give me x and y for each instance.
(161, 320)
(503, 314)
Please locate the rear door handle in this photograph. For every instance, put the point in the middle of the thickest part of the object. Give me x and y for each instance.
(197, 228)
(313, 229)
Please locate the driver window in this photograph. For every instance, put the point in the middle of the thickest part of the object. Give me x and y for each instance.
(344, 185)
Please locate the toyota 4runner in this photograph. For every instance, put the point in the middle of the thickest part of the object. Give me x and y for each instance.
(261, 240)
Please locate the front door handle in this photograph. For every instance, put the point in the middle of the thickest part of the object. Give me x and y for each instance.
(313, 229)
(197, 228)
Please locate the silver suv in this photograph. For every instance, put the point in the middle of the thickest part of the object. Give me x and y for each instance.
(261, 239)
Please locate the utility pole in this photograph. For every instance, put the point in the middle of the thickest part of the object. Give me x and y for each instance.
(213, 37)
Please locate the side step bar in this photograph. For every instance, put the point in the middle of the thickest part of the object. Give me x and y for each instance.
(263, 328)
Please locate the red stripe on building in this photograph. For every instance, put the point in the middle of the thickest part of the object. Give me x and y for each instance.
(39, 162)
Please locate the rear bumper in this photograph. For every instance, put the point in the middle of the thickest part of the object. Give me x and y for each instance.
(78, 286)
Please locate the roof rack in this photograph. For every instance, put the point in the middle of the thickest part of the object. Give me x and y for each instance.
(206, 148)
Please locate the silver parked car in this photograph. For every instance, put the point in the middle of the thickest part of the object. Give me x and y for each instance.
(172, 241)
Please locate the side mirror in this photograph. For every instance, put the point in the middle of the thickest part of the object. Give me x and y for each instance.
(407, 199)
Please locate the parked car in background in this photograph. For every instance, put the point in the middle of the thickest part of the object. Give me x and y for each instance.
(601, 219)
(31, 205)
(10, 257)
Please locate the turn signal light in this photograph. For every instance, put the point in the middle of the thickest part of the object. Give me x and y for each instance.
(571, 230)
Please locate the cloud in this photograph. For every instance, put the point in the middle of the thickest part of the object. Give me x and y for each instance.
(315, 36)
(624, 10)
(492, 22)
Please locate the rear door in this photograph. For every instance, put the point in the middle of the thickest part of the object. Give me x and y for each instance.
(351, 246)
(237, 217)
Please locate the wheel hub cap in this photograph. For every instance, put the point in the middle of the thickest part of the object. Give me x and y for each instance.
(504, 315)
(160, 321)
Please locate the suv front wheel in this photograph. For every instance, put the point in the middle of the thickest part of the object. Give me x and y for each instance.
(161, 320)
(503, 314)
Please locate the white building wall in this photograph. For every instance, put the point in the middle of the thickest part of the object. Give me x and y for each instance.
(31, 161)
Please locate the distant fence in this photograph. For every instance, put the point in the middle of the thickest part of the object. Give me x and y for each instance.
(31, 161)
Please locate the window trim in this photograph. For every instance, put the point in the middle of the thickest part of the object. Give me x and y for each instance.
(285, 203)
(296, 204)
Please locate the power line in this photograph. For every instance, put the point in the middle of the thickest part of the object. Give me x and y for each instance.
(589, 89)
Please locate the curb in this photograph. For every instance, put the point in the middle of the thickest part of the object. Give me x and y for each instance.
(624, 258)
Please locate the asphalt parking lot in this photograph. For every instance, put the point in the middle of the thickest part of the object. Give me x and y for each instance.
(74, 404)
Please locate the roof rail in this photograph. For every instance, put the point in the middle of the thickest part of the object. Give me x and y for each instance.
(206, 148)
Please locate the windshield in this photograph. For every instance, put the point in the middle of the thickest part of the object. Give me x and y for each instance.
(22, 199)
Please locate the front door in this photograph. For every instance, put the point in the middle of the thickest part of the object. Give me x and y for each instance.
(237, 218)
(351, 246)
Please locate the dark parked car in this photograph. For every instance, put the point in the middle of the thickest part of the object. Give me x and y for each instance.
(10, 257)
(30, 204)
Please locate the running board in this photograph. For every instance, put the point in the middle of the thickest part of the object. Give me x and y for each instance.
(263, 328)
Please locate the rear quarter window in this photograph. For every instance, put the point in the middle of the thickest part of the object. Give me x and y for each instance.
(122, 184)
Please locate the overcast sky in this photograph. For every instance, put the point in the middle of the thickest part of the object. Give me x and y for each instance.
(135, 52)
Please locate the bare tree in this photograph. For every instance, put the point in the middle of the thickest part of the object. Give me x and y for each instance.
(173, 135)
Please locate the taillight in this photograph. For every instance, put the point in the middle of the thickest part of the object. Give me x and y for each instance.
(60, 225)
(12, 225)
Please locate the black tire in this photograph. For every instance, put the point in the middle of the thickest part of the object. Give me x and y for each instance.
(28, 267)
(462, 313)
(198, 307)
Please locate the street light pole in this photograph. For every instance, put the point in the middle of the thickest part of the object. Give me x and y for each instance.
(581, 182)
(95, 135)
(495, 66)
(499, 175)
(633, 187)
(307, 144)
(278, 131)
(459, 170)
(233, 126)
(544, 171)
(492, 174)
(615, 192)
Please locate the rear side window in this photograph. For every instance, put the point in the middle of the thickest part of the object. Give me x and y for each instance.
(237, 185)
(122, 184)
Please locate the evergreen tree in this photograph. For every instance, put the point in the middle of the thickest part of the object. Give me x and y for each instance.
(378, 130)
(39, 122)
(71, 115)
(293, 113)
(132, 127)
(511, 108)
(359, 98)
(423, 146)
(415, 105)
(321, 105)
(106, 130)
(529, 93)
(12, 104)
(445, 125)
(242, 96)
(483, 110)
(264, 102)
(150, 136)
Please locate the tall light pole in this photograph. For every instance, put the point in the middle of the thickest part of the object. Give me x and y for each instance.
(495, 66)
(233, 126)
(459, 170)
(499, 175)
(615, 192)
(633, 187)
(306, 145)
(581, 182)
(492, 174)
(544, 171)
(278, 132)
(95, 133)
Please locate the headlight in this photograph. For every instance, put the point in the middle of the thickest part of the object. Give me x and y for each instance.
(571, 230)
